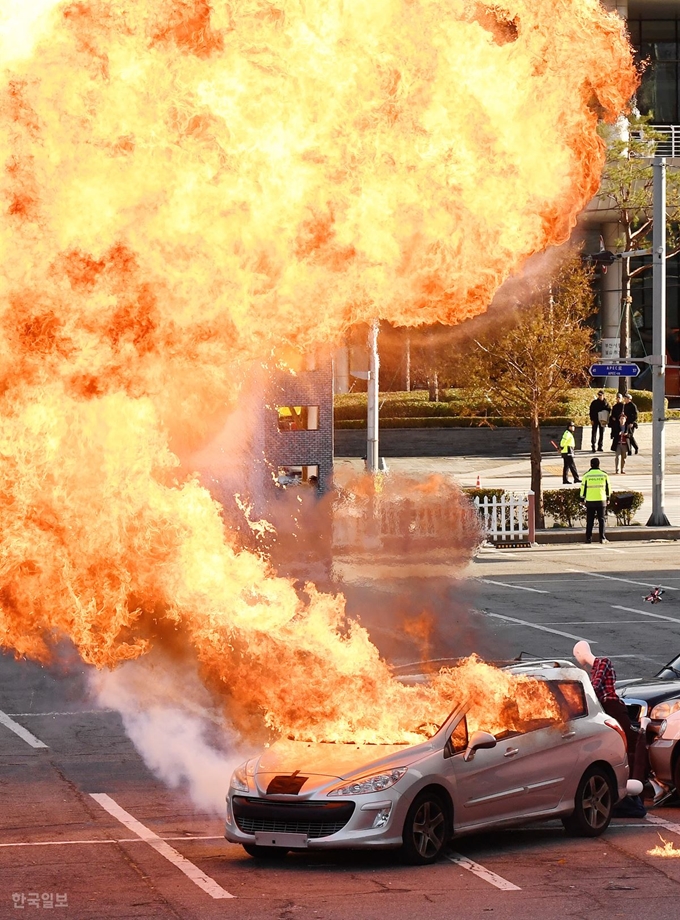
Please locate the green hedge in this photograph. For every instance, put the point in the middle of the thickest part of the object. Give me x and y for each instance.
(461, 408)
(443, 422)
(567, 509)
(474, 493)
(564, 506)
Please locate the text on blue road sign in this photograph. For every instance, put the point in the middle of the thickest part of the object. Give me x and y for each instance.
(614, 370)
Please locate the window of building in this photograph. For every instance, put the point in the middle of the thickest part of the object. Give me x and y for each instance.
(298, 476)
(298, 418)
(658, 42)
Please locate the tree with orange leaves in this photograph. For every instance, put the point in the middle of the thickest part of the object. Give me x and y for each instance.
(524, 369)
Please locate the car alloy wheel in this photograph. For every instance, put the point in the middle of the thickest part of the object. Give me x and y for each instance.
(593, 804)
(425, 829)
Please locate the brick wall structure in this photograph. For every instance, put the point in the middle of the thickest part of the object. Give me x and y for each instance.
(310, 386)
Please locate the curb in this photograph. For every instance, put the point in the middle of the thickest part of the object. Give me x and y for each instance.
(614, 534)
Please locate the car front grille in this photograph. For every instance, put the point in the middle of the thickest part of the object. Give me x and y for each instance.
(310, 818)
(635, 710)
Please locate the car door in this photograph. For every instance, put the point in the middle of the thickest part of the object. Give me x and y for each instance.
(487, 788)
(526, 772)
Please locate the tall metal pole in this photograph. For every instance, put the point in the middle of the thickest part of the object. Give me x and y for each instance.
(372, 448)
(658, 517)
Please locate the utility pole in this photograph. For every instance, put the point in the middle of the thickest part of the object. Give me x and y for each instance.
(658, 359)
(372, 447)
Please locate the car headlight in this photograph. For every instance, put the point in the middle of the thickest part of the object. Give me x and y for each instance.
(665, 709)
(374, 782)
(239, 778)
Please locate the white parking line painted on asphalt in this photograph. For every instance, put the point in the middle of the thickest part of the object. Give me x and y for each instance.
(80, 712)
(642, 584)
(647, 613)
(557, 632)
(669, 825)
(502, 584)
(604, 623)
(191, 871)
(596, 547)
(482, 872)
(66, 843)
(22, 732)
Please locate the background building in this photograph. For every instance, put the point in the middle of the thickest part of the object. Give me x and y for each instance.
(654, 29)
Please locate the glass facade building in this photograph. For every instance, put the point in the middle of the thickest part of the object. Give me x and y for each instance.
(654, 29)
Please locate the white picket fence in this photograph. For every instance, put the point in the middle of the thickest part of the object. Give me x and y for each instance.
(508, 519)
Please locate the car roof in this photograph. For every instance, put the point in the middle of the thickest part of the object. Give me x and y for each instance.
(548, 668)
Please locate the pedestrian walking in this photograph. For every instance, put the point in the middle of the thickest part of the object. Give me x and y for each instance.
(614, 416)
(567, 449)
(599, 417)
(595, 493)
(631, 411)
(621, 445)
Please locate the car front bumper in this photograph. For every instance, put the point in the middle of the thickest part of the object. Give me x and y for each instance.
(354, 822)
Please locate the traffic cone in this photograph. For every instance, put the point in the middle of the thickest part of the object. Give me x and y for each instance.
(479, 485)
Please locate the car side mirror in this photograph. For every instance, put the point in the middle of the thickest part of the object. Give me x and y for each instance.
(478, 740)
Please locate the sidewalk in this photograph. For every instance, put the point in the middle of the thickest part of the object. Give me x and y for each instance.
(514, 474)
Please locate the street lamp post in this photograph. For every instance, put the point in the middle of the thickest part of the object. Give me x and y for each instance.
(658, 359)
(372, 446)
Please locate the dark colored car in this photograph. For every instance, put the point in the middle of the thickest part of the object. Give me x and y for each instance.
(655, 704)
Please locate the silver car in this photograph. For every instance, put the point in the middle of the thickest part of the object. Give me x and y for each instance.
(311, 796)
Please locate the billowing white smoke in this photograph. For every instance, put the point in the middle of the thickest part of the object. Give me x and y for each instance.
(171, 721)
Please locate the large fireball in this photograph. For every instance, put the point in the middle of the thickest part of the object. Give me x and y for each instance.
(187, 186)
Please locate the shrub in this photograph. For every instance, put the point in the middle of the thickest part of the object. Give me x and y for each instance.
(564, 506)
(624, 505)
(483, 493)
(463, 407)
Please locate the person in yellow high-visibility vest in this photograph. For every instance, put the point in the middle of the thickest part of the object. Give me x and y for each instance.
(567, 448)
(595, 493)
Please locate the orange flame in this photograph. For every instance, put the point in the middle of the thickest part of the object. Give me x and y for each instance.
(667, 851)
(188, 187)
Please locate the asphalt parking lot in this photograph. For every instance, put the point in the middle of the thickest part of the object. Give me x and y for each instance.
(87, 830)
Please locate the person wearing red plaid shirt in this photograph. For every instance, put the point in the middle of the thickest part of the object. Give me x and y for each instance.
(603, 679)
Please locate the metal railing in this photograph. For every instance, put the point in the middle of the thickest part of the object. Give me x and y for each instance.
(508, 519)
(668, 143)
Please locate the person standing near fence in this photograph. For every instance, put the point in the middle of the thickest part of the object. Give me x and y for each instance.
(614, 418)
(631, 411)
(621, 445)
(595, 493)
(599, 416)
(567, 448)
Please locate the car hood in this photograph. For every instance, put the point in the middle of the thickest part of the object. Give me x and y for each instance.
(651, 691)
(335, 760)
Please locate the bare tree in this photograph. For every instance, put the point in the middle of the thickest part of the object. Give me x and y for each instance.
(524, 369)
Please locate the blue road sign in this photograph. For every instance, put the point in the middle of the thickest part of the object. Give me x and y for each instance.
(614, 370)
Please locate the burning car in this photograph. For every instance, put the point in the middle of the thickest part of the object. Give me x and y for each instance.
(301, 795)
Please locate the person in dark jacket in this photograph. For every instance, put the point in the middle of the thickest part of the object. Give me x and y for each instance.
(599, 416)
(631, 411)
(614, 416)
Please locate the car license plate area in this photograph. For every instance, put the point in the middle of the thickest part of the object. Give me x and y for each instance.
(291, 841)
